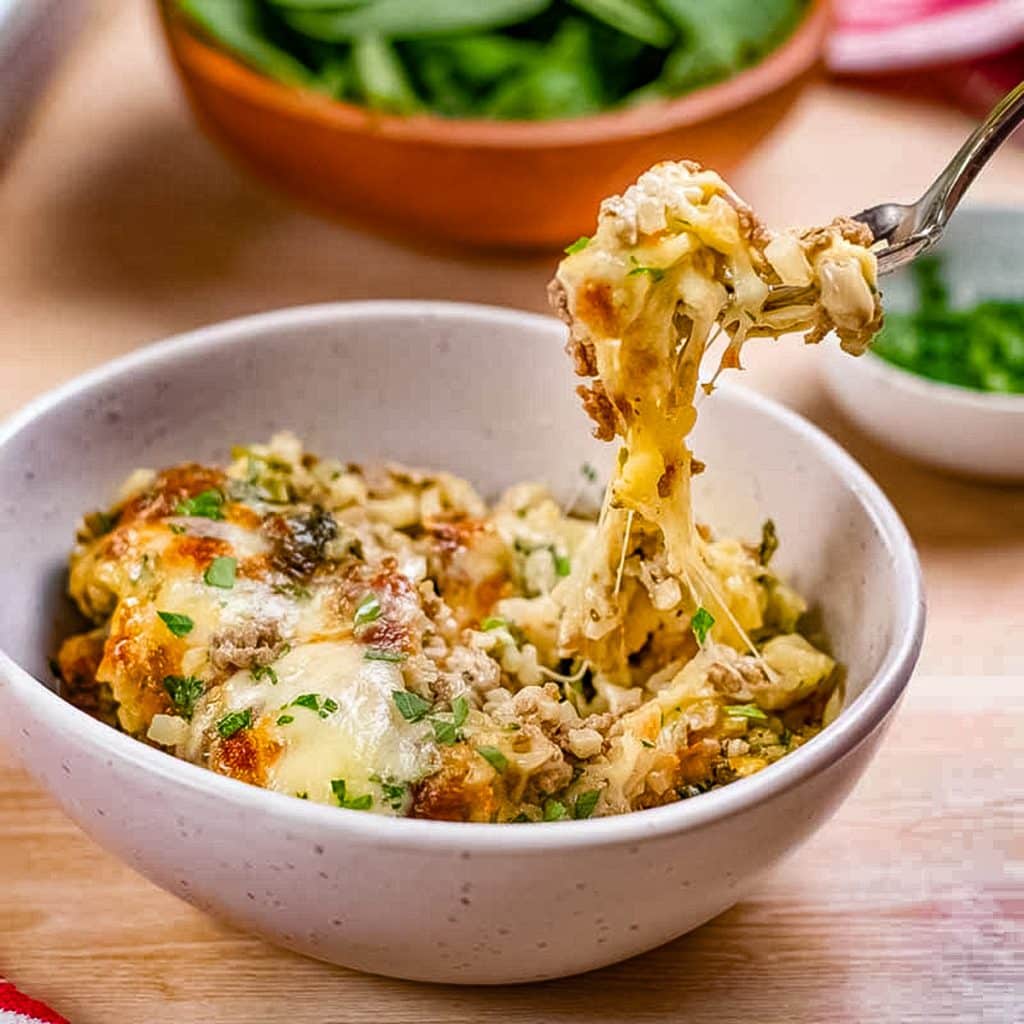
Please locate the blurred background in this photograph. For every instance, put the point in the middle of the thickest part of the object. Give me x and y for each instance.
(125, 220)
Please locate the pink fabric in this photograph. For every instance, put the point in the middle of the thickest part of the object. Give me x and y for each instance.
(870, 14)
(16, 1008)
(901, 35)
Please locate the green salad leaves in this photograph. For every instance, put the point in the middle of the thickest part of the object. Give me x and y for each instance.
(979, 346)
(502, 59)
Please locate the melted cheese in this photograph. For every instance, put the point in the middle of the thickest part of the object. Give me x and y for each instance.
(677, 259)
(363, 741)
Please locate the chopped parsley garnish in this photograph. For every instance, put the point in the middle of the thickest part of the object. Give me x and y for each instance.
(221, 572)
(554, 810)
(260, 672)
(562, 564)
(205, 505)
(769, 542)
(323, 706)
(234, 722)
(701, 624)
(411, 706)
(585, 803)
(494, 757)
(296, 590)
(394, 792)
(589, 473)
(177, 528)
(414, 708)
(264, 476)
(352, 803)
(179, 625)
(286, 719)
(745, 711)
(184, 691)
(493, 622)
(368, 611)
(380, 654)
(446, 733)
(655, 273)
(578, 246)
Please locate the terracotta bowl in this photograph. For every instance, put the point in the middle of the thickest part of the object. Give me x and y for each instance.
(482, 182)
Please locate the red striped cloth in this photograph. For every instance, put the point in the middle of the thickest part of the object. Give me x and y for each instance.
(18, 1008)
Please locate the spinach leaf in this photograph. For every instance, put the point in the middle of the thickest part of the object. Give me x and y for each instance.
(239, 26)
(413, 19)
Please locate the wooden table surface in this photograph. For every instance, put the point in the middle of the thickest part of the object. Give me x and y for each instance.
(119, 224)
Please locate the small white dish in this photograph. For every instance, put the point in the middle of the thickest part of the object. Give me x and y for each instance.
(973, 433)
(488, 394)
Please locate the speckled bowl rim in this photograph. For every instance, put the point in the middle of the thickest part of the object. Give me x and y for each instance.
(853, 726)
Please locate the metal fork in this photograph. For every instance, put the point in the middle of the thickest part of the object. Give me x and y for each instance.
(911, 229)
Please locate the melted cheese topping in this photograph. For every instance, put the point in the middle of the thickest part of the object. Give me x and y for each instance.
(362, 741)
(676, 261)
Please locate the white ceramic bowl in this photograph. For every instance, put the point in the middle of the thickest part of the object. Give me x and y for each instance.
(969, 432)
(487, 393)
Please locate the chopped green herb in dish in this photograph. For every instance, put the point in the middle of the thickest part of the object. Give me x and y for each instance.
(701, 624)
(179, 625)
(184, 692)
(221, 572)
(233, 722)
(979, 347)
(205, 505)
(501, 59)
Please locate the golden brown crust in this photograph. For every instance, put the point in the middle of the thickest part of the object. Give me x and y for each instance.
(138, 657)
(460, 791)
(170, 488)
(246, 756)
(188, 551)
(79, 660)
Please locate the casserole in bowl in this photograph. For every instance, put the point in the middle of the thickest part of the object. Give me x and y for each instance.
(434, 900)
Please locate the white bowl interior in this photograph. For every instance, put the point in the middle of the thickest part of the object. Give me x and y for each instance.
(485, 393)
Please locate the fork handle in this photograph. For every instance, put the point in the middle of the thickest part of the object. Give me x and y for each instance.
(939, 202)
